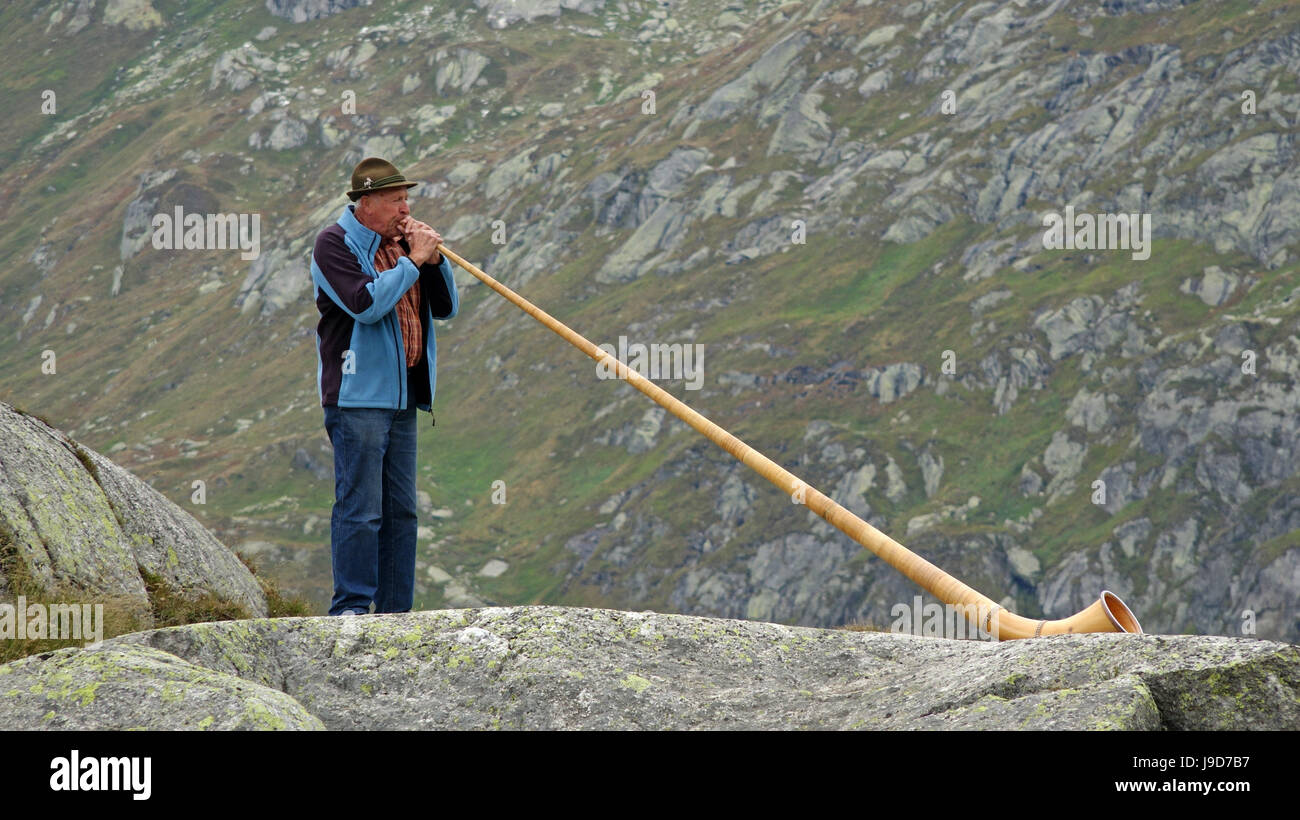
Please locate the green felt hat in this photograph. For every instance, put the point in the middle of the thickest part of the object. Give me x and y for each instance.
(375, 174)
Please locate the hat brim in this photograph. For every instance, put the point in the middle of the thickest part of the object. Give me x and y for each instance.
(357, 193)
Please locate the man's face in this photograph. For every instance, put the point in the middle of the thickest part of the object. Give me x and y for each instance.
(384, 211)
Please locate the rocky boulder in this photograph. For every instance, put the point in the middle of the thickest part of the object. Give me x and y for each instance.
(563, 668)
(138, 687)
(75, 519)
(300, 11)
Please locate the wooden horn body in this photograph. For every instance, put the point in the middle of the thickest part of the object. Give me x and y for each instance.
(1107, 614)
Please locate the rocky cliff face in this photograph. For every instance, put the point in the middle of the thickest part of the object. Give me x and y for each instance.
(557, 668)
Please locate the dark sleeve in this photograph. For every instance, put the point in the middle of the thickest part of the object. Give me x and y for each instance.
(438, 282)
(441, 287)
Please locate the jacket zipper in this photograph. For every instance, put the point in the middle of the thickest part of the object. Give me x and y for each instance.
(428, 363)
(401, 378)
(401, 361)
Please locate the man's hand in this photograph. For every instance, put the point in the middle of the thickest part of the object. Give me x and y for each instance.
(423, 240)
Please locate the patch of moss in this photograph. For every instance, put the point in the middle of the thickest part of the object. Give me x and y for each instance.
(260, 717)
(174, 607)
(860, 626)
(119, 615)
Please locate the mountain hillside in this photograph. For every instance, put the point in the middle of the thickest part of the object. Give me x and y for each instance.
(845, 207)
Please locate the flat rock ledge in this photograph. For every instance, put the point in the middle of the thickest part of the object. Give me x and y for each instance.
(568, 668)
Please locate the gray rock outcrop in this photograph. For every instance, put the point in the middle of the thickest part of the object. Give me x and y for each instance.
(137, 687)
(133, 15)
(300, 11)
(502, 13)
(559, 668)
(76, 519)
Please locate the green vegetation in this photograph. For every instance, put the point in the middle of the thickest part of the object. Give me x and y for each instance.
(278, 603)
(172, 606)
(120, 616)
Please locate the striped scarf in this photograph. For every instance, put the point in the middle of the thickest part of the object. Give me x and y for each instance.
(408, 307)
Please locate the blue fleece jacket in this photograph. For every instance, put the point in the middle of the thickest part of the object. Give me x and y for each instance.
(361, 359)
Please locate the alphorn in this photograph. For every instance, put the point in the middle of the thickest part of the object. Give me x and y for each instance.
(1108, 614)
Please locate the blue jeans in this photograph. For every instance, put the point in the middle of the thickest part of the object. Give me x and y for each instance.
(373, 524)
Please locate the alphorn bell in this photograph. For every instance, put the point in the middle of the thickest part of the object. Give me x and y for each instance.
(1107, 614)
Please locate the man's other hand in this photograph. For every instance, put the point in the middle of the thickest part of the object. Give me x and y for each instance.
(423, 240)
